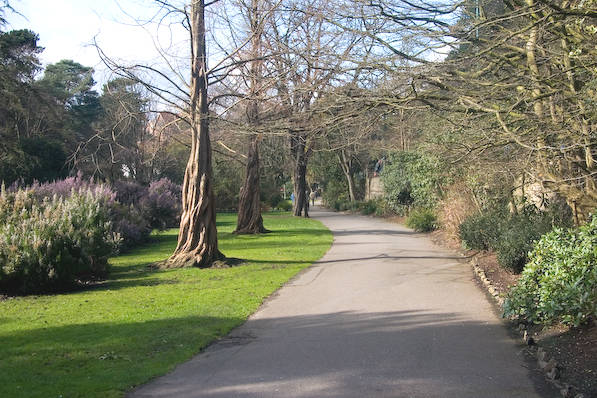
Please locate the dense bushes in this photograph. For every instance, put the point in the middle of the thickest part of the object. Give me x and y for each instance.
(366, 207)
(422, 220)
(54, 234)
(560, 281)
(48, 245)
(511, 236)
(139, 210)
(411, 179)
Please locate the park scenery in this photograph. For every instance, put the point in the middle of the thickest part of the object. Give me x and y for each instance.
(298, 198)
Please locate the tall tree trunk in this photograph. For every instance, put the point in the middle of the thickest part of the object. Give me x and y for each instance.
(197, 238)
(345, 165)
(299, 178)
(249, 207)
(249, 219)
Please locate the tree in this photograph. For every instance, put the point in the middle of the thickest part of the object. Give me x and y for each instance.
(312, 55)
(32, 146)
(249, 219)
(197, 238)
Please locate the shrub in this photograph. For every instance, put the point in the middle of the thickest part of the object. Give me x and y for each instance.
(49, 245)
(511, 236)
(368, 207)
(560, 281)
(411, 179)
(285, 205)
(65, 188)
(141, 209)
(382, 208)
(422, 220)
(275, 200)
(480, 231)
(161, 206)
(517, 236)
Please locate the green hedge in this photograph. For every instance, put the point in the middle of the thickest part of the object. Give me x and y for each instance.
(511, 236)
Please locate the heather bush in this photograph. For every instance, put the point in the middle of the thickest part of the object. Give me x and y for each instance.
(161, 206)
(49, 245)
(559, 283)
(64, 188)
(155, 207)
(134, 210)
(129, 192)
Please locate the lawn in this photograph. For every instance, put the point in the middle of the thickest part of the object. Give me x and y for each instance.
(138, 324)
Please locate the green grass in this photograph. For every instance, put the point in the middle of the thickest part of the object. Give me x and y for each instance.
(102, 341)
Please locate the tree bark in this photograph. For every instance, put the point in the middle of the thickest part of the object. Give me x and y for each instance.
(299, 178)
(249, 219)
(197, 239)
(345, 165)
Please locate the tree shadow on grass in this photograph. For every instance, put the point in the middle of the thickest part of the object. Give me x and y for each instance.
(97, 359)
(338, 354)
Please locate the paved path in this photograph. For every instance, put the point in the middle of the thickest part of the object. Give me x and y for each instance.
(384, 313)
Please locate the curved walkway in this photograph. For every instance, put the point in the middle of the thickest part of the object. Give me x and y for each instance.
(384, 313)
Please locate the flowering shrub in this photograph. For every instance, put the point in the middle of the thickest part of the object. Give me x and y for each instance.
(49, 245)
(161, 206)
(559, 284)
(64, 188)
(141, 209)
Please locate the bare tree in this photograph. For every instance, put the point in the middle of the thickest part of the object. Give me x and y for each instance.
(197, 239)
(249, 219)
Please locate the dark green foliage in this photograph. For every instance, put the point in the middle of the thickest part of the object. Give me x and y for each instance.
(482, 230)
(511, 236)
(228, 177)
(559, 284)
(411, 179)
(422, 220)
(50, 245)
(368, 207)
(275, 200)
(284, 205)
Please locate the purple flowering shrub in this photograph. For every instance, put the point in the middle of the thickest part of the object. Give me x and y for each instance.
(161, 206)
(64, 188)
(52, 243)
(54, 234)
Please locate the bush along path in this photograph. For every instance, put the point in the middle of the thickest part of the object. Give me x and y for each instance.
(554, 303)
(101, 341)
(384, 313)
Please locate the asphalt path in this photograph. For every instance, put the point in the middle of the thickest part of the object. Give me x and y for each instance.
(385, 313)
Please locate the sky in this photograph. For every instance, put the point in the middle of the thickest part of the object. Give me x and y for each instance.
(67, 29)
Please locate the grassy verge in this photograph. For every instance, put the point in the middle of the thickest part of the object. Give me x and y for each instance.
(101, 341)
